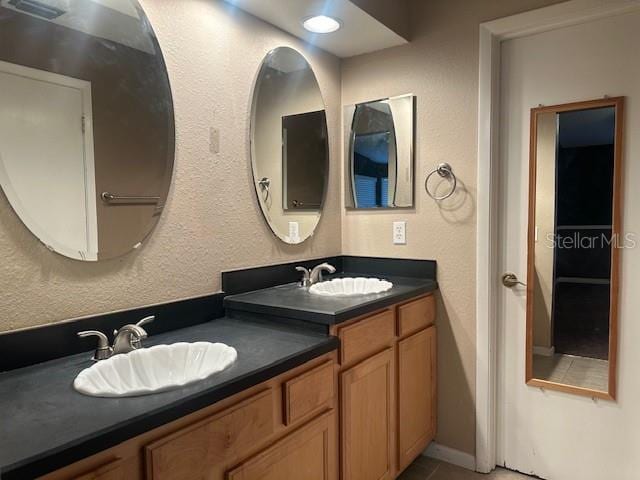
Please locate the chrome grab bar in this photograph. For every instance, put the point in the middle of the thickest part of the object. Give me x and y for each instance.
(108, 197)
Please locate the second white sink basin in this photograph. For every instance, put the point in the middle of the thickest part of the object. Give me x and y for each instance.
(349, 287)
(155, 369)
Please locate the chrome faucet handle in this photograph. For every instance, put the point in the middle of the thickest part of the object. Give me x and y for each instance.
(316, 273)
(306, 276)
(103, 351)
(129, 337)
(139, 331)
(146, 320)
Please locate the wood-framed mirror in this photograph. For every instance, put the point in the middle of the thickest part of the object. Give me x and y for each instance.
(574, 242)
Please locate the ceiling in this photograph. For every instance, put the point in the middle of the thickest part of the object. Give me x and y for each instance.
(360, 32)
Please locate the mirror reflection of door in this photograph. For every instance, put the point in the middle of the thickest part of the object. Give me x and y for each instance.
(574, 240)
(46, 159)
(304, 158)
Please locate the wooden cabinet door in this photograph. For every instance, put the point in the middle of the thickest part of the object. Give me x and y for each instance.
(367, 399)
(416, 394)
(309, 453)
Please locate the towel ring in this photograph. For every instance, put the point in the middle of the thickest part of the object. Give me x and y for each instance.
(444, 170)
(265, 185)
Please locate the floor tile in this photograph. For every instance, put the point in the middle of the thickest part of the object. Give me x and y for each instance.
(424, 468)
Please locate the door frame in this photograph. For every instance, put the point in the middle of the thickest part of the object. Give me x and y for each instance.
(492, 34)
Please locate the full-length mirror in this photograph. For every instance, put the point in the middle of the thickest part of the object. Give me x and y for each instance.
(86, 124)
(379, 152)
(574, 242)
(289, 145)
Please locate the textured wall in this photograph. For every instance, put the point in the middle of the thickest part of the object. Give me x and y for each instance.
(440, 66)
(211, 221)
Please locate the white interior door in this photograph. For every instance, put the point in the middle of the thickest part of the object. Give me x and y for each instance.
(554, 435)
(46, 169)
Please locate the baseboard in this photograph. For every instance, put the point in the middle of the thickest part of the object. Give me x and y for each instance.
(451, 455)
(544, 351)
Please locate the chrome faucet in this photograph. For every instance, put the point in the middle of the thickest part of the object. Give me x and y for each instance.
(127, 339)
(316, 273)
(309, 277)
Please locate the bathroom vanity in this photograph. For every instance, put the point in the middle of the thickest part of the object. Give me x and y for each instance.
(326, 396)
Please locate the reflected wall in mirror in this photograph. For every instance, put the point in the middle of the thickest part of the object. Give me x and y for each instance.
(379, 151)
(289, 145)
(86, 124)
(574, 242)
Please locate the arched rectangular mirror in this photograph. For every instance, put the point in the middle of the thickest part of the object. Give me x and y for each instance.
(379, 138)
(574, 241)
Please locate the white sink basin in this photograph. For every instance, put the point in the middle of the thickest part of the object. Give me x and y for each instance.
(155, 369)
(349, 287)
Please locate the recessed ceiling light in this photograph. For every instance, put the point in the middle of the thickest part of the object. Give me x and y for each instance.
(321, 24)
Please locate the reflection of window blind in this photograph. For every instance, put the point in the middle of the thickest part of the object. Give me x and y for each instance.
(385, 192)
(365, 191)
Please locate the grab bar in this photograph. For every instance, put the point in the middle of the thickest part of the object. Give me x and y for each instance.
(108, 197)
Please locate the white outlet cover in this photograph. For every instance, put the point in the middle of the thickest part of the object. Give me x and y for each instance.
(294, 231)
(399, 233)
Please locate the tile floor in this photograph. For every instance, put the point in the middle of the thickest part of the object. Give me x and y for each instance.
(580, 371)
(429, 469)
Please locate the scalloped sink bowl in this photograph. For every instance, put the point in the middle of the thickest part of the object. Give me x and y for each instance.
(155, 369)
(350, 287)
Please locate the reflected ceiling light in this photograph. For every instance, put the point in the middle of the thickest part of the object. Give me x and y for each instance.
(321, 24)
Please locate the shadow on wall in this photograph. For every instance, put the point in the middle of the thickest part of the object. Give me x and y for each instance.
(459, 207)
(455, 385)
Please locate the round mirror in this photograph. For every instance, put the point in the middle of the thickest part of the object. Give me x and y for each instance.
(86, 124)
(289, 145)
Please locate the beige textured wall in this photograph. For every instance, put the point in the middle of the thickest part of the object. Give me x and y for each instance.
(211, 221)
(440, 66)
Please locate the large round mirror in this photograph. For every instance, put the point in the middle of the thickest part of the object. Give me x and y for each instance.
(86, 124)
(289, 145)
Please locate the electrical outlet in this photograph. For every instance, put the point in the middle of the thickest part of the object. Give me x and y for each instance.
(399, 233)
(294, 231)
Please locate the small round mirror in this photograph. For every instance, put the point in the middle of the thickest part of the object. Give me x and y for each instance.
(289, 145)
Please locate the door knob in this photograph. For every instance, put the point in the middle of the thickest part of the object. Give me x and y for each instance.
(510, 280)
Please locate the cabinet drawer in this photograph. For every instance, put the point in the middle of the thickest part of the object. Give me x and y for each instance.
(416, 315)
(366, 337)
(192, 451)
(311, 392)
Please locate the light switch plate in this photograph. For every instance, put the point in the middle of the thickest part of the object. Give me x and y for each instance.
(399, 233)
(214, 140)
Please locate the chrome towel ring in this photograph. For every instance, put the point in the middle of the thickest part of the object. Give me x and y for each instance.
(265, 185)
(444, 170)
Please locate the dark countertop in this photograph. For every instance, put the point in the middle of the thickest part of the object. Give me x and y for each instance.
(293, 301)
(46, 424)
